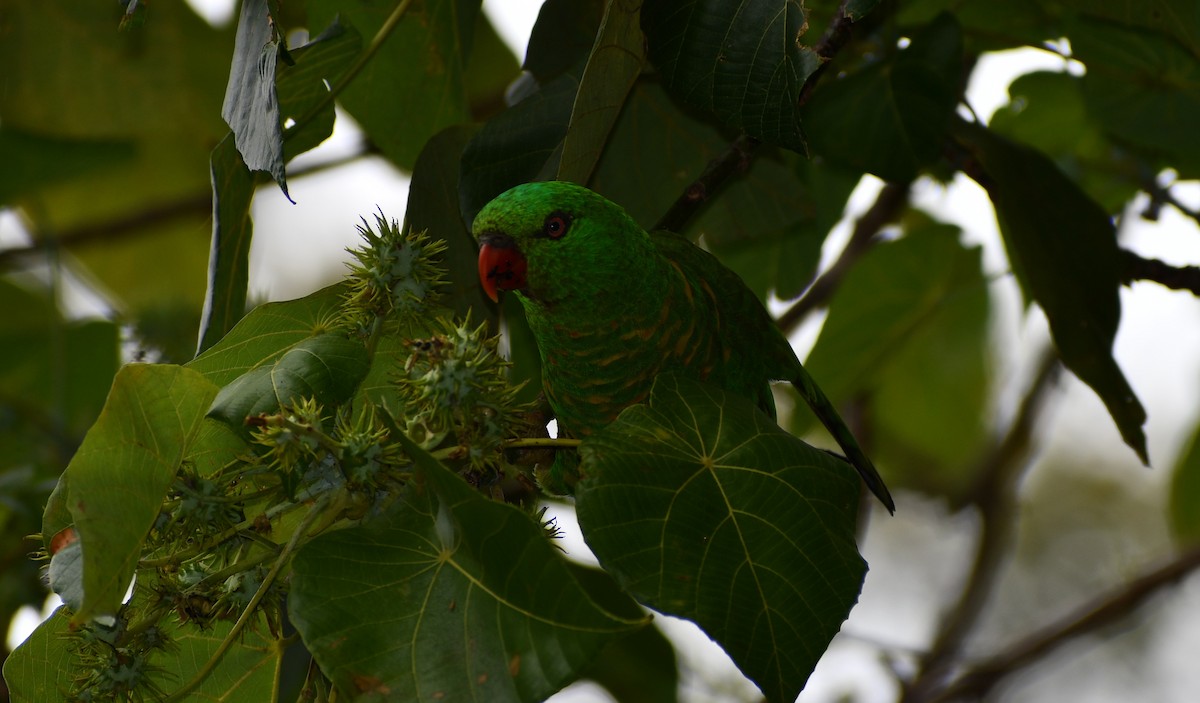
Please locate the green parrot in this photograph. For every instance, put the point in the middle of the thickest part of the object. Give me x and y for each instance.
(611, 307)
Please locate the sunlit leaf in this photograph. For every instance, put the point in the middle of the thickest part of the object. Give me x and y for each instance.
(703, 508)
(267, 332)
(123, 468)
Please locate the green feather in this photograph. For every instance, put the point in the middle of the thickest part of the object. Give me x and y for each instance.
(612, 306)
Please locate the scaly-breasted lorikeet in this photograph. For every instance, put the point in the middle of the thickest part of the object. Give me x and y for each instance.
(611, 307)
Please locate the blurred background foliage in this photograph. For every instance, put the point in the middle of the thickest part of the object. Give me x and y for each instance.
(1020, 511)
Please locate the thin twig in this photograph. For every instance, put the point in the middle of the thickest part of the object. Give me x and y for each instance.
(1136, 268)
(316, 511)
(887, 207)
(1098, 613)
(360, 63)
(994, 493)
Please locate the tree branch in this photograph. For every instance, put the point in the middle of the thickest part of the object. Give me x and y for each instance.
(737, 157)
(886, 209)
(143, 222)
(1136, 268)
(994, 493)
(1092, 616)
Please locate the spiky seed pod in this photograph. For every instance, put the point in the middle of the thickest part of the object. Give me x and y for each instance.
(394, 274)
(367, 457)
(456, 382)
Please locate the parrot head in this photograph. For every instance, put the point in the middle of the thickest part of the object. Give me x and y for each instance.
(554, 240)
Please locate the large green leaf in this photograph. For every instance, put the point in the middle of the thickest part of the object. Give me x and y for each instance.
(433, 205)
(702, 507)
(267, 332)
(1179, 19)
(742, 62)
(562, 37)
(1046, 110)
(449, 596)
(1144, 89)
(127, 461)
(908, 326)
(612, 67)
(1063, 248)
(414, 85)
(890, 118)
(517, 145)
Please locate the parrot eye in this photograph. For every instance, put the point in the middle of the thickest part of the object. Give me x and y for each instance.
(556, 225)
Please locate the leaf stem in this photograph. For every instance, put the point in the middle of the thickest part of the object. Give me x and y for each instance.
(359, 64)
(887, 208)
(322, 504)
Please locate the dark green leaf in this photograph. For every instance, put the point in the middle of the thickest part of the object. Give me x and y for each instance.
(562, 37)
(1178, 19)
(450, 595)
(433, 205)
(303, 85)
(612, 67)
(767, 225)
(123, 468)
(742, 62)
(251, 106)
(326, 367)
(857, 9)
(890, 118)
(1144, 90)
(908, 326)
(414, 86)
(988, 25)
(517, 145)
(1046, 111)
(232, 232)
(1063, 248)
(702, 507)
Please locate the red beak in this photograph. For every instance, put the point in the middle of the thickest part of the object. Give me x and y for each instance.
(501, 265)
